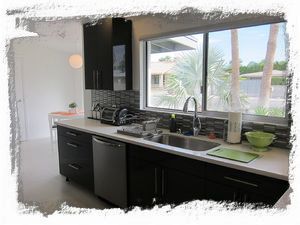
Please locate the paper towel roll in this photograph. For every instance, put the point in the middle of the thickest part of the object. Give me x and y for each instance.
(234, 127)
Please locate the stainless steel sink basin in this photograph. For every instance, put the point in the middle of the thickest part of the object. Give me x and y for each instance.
(183, 142)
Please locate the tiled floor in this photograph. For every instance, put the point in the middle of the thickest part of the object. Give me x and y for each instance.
(40, 183)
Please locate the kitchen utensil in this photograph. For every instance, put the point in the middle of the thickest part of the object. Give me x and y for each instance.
(260, 140)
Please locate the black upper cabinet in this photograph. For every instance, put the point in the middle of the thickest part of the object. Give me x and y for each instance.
(108, 54)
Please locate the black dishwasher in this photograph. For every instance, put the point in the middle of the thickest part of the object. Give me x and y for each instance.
(110, 170)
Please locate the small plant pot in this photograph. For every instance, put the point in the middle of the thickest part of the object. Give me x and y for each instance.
(72, 110)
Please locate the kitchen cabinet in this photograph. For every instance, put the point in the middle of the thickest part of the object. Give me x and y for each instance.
(143, 182)
(178, 186)
(108, 54)
(224, 183)
(75, 156)
(153, 179)
(158, 177)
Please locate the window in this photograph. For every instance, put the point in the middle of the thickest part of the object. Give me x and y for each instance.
(261, 73)
(179, 61)
(155, 80)
(245, 69)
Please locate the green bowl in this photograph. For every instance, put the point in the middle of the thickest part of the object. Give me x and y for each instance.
(259, 139)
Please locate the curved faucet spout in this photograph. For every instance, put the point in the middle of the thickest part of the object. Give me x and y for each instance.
(196, 119)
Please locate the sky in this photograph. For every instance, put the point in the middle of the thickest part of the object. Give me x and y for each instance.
(252, 44)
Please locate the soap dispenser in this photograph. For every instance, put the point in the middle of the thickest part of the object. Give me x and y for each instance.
(172, 126)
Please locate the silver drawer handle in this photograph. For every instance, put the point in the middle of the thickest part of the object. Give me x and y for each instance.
(240, 181)
(73, 167)
(107, 143)
(71, 133)
(72, 145)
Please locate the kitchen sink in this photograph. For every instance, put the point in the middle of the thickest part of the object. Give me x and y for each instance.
(183, 142)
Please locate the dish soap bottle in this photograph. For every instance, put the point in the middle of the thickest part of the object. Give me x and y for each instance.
(172, 126)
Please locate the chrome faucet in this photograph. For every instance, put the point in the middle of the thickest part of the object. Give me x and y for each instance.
(196, 119)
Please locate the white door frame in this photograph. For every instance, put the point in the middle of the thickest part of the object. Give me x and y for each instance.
(21, 103)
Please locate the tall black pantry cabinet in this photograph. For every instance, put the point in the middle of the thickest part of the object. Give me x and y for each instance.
(108, 54)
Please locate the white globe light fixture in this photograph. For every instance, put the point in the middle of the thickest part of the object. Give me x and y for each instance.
(75, 61)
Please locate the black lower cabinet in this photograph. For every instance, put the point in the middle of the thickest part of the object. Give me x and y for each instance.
(152, 182)
(226, 184)
(76, 156)
(161, 178)
(178, 186)
(143, 186)
(219, 192)
(156, 177)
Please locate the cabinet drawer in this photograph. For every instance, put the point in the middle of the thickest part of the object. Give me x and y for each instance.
(74, 150)
(74, 134)
(187, 165)
(247, 181)
(168, 160)
(80, 172)
(147, 154)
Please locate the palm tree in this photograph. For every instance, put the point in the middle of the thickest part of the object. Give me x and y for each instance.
(265, 87)
(186, 77)
(235, 103)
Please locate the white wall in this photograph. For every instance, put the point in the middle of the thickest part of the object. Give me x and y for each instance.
(49, 82)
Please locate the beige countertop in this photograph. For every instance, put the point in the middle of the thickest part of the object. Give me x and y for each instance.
(273, 163)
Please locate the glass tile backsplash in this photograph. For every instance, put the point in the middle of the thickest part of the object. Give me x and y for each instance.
(131, 100)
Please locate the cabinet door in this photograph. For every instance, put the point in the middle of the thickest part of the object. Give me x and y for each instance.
(90, 55)
(220, 192)
(257, 198)
(242, 186)
(178, 187)
(122, 55)
(143, 182)
(104, 60)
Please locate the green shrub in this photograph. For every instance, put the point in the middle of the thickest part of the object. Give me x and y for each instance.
(279, 81)
(263, 111)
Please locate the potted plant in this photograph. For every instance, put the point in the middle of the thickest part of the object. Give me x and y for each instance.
(72, 107)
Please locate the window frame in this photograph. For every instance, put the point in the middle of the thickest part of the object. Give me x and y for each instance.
(145, 42)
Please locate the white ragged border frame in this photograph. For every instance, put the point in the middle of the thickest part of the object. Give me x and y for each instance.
(196, 212)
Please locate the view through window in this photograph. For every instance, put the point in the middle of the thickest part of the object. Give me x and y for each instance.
(246, 69)
(260, 69)
(176, 63)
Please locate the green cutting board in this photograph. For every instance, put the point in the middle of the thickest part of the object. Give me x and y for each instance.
(235, 155)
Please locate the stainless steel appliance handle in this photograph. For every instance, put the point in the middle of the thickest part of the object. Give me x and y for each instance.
(106, 143)
(240, 181)
(73, 167)
(72, 145)
(71, 133)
